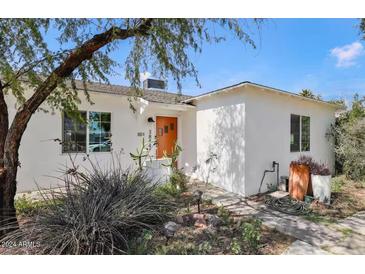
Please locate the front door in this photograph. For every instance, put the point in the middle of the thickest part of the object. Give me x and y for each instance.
(166, 135)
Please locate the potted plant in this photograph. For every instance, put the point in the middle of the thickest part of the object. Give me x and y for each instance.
(321, 182)
(298, 180)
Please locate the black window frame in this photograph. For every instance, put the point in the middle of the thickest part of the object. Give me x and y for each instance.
(300, 133)
(76, 124)
(86, 127)
(107, 143)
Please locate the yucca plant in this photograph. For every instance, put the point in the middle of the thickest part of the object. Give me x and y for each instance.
(102, 211)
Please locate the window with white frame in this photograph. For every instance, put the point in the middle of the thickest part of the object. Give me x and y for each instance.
(299, 133)
(93, 134)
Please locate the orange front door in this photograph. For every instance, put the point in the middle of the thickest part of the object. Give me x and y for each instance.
(166, 135)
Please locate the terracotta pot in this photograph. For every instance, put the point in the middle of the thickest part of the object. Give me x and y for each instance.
(298, 181)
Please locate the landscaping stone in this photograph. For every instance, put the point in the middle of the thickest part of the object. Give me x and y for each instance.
(170, 228)
(198, 216)
(179, 219)
(303, 248)
(200, 223)
(213, 220)
(331, 238)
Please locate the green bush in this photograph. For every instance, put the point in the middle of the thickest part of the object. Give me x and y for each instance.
(252, 234)
(224, 214)
(183, 248)
(349, 134)
(102, 212)
(179, 180)
(27, 207)
(235, 247)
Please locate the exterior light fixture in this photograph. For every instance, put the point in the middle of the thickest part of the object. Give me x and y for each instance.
(150, 120)
(197, 195)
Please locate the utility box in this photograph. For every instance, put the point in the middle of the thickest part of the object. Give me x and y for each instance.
(284, 183)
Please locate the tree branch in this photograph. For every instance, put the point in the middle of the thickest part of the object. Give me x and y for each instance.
(72, 61)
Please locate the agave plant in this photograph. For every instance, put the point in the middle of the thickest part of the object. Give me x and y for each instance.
(102, 211)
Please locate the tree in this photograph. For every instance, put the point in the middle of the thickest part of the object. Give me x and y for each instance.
(83, 51)
(309, 94)
(349, 133)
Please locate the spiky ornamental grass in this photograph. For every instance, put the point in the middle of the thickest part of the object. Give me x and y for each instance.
(101, 212)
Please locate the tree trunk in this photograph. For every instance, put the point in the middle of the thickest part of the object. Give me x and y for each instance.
(7, 209)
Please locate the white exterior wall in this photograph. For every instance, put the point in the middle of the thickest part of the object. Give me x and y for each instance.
(249, 128)
(189, 141)
(41, 158)
(221, 130)
(268, 134)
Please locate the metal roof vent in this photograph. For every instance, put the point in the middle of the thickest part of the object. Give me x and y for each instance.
(153, 84)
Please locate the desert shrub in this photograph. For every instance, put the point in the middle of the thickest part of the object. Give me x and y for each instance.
(252, 234)
(168, 190)
(102, 212)
(179, 180)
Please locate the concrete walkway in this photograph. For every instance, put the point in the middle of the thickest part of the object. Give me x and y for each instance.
(345, 237)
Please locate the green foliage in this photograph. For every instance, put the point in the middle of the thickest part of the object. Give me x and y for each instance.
(27, 207)
(168, 190)
(173, 157)
(309, 94)
(160, 46)
(179, 180)
(337, 184)
(349, 134)
(252, 234)
(235, 247)
(224, 214)
(183, 248)
(142, 244)
(142, 153)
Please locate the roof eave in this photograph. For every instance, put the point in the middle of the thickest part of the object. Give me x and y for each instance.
(279, 91)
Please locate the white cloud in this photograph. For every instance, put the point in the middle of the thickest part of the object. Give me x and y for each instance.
(144, 75)
(347, 54)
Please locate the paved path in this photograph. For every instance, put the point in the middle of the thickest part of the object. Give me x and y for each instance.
(345, 237)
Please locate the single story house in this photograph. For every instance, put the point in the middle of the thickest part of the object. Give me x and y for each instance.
(229, 136)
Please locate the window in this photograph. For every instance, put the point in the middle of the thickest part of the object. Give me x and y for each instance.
(305, 133)
(99, 131)
(299, 133)
(74, 134)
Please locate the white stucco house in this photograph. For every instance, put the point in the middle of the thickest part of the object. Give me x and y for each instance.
(229, 136)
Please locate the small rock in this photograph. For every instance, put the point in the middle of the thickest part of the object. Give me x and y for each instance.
(211, 230)
(198, 216)
(170, 228)
(213, 220)
(200, 223)
(179, 219)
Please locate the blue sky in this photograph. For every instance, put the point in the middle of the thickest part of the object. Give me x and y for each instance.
(324, 55)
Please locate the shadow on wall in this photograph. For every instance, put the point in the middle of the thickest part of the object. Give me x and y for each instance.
(222, 160)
